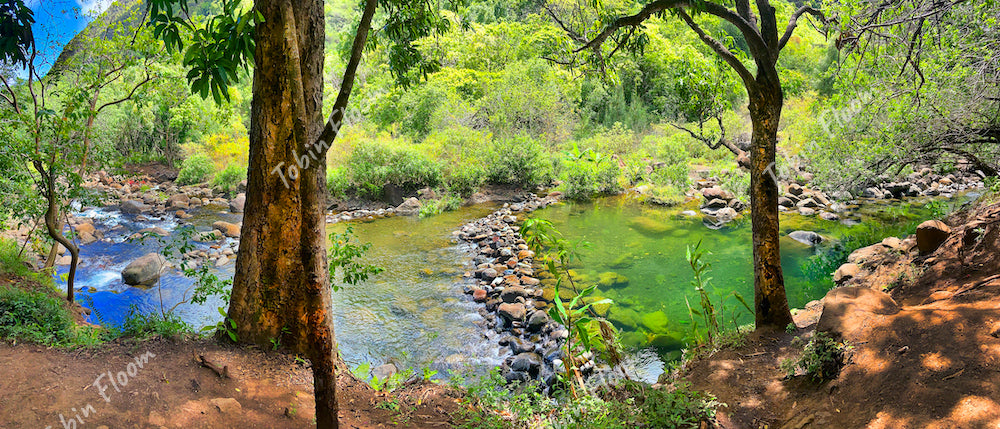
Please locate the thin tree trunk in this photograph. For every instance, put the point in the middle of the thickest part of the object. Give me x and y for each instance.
(770, 302)
(54, 227)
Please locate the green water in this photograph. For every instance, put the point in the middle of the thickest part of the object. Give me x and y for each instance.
(647, 245)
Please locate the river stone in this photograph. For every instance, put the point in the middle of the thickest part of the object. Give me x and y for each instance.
(930, 235)
(795, 189)
(384, 371)
(806, 211)
(86, 228)
(511, 311)
(180, 201)
(808, 202)
(865, 253)
(133, 207)
(227, 229)
(511, 294)
(479, 295)
(526, 362)
(519, 345)
(612, 279)
(537, 320)
(222, 261)
(213, 235)
(808, 238)
(712, 193)
(237, 204)
(145, 270)
(409, 207)
(726, 214)
(489, 274)
(656, 321)
(829, 216)
(64, 260)
(154, 231)
(648, 226)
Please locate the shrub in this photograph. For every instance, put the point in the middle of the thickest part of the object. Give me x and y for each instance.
(338, 182)
(520, 161)
(229, 178)
(585, 178)
(821, 358)
(447, 203)
(12, 262)
(34, 316)
(195, 169)
(464, 179)
(375, 164)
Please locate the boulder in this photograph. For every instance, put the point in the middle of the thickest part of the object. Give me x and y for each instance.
(846, 309)
(930, 235)
(145, 270)
(410, 207)
(726, 214)
(512, 293)
(806, 211)
(228, 229)
(808, 202)
(511, 311)
(865, 253)
(714, 192)
(236, 204)
(808, 238)
(133, 207)
(715, 204)
(785, 202)
(893, 243)
(846, 272)
(648, 226)
(829, 216)
(795, 189)
(479, 295)
(526, 362)
(538, 320)
(154, 231)
(178, 201)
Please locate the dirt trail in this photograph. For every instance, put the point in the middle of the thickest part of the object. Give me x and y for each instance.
(42, 387)
(924, 355)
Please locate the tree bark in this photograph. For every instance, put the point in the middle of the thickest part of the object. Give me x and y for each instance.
(770, 303)
(54, 227)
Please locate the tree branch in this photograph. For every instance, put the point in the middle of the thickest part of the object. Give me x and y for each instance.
(721, 50)
(340, 105)
(793, 22)
(632, 20)
(127, 97)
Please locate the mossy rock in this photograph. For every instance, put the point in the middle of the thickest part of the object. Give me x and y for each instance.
(649, 226)
(633, 339)
(602, 308)
(670, 341)
(656, 321)
(624, 317)
(612, 279)
(624, 261)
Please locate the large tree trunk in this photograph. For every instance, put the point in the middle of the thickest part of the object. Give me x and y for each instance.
(770, 302)
(281, 286)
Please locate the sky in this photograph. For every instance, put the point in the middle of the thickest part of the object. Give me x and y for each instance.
(57, 21)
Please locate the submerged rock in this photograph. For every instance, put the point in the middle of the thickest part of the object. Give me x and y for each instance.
(808, 238)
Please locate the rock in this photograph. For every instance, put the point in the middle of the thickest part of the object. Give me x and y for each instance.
(715, 204)
(511, 294)
(846, 272)
(133, 207)
(222, 261)
(384, 371)
(689, 213)
(656, 321)
(237, 204)
(179, 201)
(145, 270)
(714, 192)
(875, 193)
(864, 254)
(808, 238)
(537, 320)
(181, 214)
(479, 295)
(227, 405)
(795, 189)
(213, 235)
(155, 231)
(930, 235)
(808, 202)
(648, 226)
(409, 207)
(785, 202)
(893, 243)
(737, 205)
(526, 362)
(511, 311)
(86, 228)
(842, 196)
(64, 260)
(518, 345)
(833, 217)
(845, 309)
(489, 274)
(611, 280)
(726, 215)
(806, 211)
(228, 229)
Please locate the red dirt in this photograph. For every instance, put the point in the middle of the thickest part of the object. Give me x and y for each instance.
(934, 363)
(43, 387)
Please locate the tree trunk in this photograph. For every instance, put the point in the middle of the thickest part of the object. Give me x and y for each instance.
(281, 286)
(54, 227)
(770, 302)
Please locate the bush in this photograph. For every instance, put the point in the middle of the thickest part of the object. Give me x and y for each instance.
(338, 182)
(464, 179)
(229, 178)
(375, 164)
(447, 203)
(584, 178)
(195, 169)
(520, 161)
(821, 358)
(34, 316)
(143, 326)
(12, 262)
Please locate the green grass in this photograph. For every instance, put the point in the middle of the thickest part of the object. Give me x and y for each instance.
(35, 317)
(13, 263)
